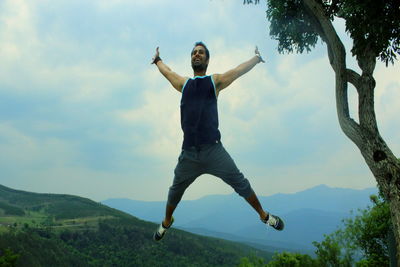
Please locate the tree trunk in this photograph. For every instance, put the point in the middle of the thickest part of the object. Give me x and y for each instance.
(379, 158)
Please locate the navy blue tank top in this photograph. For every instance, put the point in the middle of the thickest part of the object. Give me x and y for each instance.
(199, 112)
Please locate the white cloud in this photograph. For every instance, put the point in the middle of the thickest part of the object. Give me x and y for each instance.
(23, 151)
(17, 36)
(387, 104)
(54, 64)
(86, 107)
(159, 115)
(123, 4)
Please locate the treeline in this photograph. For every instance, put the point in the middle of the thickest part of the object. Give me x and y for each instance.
(65, 230)
(117, 242)
(15, 202)
(11, 210)
(364, 241)
(36, 248)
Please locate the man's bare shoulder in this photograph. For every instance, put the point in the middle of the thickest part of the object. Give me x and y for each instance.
(216, 77)
(184, 81)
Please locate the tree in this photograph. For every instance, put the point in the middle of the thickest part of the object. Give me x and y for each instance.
(363, 237)
(374, 26)
(286, 259)
(362, 241)
(330, 253)
(8, 258)
(367, 233)
(252, 261)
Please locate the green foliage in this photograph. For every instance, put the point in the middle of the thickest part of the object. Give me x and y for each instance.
(11, 210)
(363, 242)
(39, 249)
(252, 261)
(291, 26)
(49, 209)
(330, 253)
(8, 258)
(76, 208)
(74, 231)
(368, 231)
(284, 259)
(119, 242)
(287, 259)
(374, 25)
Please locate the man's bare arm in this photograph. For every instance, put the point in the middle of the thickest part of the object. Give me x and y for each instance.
(224, 80)
(175, 79)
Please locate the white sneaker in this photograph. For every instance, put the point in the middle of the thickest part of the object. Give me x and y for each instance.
(161, 230)
(274, 221)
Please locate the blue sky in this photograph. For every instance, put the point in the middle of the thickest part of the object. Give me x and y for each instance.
(83, 112)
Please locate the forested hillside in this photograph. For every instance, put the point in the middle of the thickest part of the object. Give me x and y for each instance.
(63, 230)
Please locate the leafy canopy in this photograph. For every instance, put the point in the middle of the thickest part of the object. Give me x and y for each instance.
(374, 25)
(363, 241)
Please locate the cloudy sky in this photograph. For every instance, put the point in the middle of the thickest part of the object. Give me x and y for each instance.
(83, 112)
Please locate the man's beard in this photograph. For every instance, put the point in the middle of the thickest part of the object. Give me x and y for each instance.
(199, 67)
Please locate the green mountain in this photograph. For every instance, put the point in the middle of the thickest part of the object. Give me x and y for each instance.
(65, 230)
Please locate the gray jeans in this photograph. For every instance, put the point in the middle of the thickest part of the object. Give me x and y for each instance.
(206, 159)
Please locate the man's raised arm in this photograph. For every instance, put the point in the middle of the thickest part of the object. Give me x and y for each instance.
(224, 80)
(176, 80)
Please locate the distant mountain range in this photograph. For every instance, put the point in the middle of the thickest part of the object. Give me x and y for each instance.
(308, 215)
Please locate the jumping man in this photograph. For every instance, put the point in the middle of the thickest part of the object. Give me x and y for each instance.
(202, 150)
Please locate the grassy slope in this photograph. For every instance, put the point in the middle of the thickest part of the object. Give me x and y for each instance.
(42, 210)
(105, 230)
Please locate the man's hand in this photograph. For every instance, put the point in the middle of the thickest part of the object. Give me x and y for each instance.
(156, 56)
(257, 54)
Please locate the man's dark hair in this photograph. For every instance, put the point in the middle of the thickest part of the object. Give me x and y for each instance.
(203, 45)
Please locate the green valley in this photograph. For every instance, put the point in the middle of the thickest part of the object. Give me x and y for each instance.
(64, 230)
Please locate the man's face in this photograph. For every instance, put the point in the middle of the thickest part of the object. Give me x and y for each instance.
(199, 58)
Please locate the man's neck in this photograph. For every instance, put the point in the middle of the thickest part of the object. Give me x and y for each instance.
(200, 73)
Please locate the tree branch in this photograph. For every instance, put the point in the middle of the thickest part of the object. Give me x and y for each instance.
(337, 58)
(354, 78)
